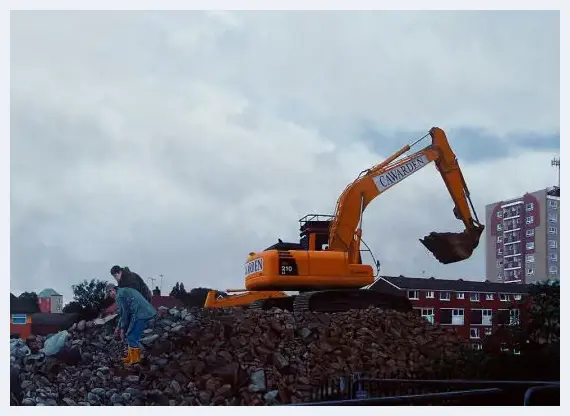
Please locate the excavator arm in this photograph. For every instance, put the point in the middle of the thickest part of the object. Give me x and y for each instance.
(346, 227)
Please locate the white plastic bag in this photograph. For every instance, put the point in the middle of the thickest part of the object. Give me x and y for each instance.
(55, 343)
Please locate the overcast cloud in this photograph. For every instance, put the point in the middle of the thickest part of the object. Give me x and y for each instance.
(177, 142)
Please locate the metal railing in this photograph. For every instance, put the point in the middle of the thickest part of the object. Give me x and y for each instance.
(356, 391)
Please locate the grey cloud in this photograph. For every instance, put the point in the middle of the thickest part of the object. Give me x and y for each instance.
(176, 143)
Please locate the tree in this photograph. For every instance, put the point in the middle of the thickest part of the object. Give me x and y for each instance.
(32, 298)
(90, 295)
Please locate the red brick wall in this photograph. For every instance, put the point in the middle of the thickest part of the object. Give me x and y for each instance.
(45, 305)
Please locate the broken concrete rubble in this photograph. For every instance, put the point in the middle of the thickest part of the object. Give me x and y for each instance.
(234, 357)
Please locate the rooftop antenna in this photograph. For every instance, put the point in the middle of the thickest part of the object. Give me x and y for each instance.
(556, 163)
(161, 276)
(152, 279)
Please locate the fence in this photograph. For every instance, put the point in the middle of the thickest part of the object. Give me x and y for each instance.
(354, 390)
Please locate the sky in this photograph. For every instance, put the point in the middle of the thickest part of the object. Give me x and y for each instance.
(177, 142)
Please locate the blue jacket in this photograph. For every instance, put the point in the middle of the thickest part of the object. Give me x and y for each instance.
(132, 307)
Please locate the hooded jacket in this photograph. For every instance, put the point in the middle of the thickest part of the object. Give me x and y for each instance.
(134, 281)
(132, 307)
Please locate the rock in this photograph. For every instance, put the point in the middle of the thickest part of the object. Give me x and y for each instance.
(174, 312)
(271, 396)
(68, 401)
(150, 339)
(132, 379)
(81, 325)
(116, 398)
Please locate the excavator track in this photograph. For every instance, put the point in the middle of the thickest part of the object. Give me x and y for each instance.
(345, 300)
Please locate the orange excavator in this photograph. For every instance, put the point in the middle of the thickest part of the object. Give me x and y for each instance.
(326, 268)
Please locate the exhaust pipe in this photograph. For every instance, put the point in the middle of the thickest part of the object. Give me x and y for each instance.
(453, 247)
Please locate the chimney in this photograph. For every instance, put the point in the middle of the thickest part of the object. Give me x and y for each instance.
(156, 291)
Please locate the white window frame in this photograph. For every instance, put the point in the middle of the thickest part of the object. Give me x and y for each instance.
(514, 316)
(552, 230)
(428, 314)
(504, 297)
(500, 213)
(17, 319)
(445, 299)
(553, 269)
(529, 207)
(460, 295)
(416, 293)
(529, 258)
(530, 220)
(499, 227)
(489, 296)
(499, 239)
(474, 333)
(499, 276)
(552, 244)
(553, 257)
(429, 294)
(477, 346)
(458, 315)
(530, 245)
(552, 217)
(530, 233)
(553, 203)
(487, 317)
(517, 297)
(488, 331)
(499, 263)
(499, 252)
(529, 271)
(474, 297)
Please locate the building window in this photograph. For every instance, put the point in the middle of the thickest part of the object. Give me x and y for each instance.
(530, 233)
(499, 214)
(504, 297)
(19, 319)
(499, 276)
(504, 347)
(460, 295)
(477, 346)
(516, 351)
(489, 296)
(499, 252)
(474, 333)
(474, 297)
(499, 239)
(481, 316)
(552, 217)
(553, 257)
(530, 258)
(413, 294)
(552, 230)
(500, 263)
(517, 297)
(514, 317)
(444, 296)
(451, 316)
(427, 313)
(552, 244)
(429, 294)
(553, 269)
(529, 271)
(488, 331)
(552, 203)
(499, 227)
(529, 220)
(530, 245)
(529, 207)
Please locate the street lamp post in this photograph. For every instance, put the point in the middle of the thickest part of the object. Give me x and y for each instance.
(556, 162)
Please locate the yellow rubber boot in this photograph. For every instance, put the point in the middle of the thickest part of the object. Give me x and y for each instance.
(135, 356)
(127, 359)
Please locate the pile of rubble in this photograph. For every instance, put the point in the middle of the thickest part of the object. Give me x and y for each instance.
(233, 357)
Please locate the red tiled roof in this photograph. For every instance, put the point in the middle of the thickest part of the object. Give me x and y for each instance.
(156, 301)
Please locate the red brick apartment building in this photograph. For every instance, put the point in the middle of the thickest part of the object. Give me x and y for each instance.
(475, 309)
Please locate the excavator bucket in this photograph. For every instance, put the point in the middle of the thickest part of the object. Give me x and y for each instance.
(453, 247)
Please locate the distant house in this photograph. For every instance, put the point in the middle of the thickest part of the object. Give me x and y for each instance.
(21, 312)
(157, 301)
(50, 301)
